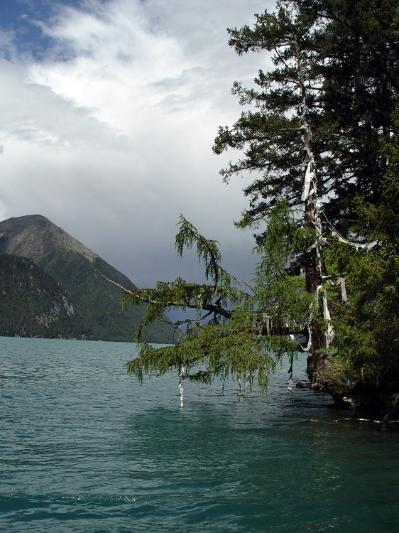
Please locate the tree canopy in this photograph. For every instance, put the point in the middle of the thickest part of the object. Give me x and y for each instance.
(318, 143)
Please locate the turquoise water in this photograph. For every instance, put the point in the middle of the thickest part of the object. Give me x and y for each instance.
(85, 448)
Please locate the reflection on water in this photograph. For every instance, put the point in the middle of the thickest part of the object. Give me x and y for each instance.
(84, 448)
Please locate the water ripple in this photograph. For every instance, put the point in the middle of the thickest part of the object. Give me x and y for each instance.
(84, 448)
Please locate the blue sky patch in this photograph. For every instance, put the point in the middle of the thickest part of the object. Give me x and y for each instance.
(20, 19)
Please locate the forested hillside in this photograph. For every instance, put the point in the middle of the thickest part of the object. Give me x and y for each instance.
(79, 274)
(32, 302)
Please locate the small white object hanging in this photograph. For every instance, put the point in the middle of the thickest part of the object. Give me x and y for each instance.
(309, 177)
(182, 374)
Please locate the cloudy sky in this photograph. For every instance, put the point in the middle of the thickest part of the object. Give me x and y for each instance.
(108, 113)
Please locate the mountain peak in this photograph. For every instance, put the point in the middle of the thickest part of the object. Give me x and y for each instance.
(96, 303)
(35, 237)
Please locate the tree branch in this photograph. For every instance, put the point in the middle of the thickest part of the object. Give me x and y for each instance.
(136, 293)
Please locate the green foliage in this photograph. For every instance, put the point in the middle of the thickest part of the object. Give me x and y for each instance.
(327, 104)
(212, 351)
(32, 302)
(349, 56)
(207, 250)
(181, 294)
(225, 285)
(240, 341)
(269, 133)
(350, 60)
(176, 294)
(359, 60)
(368, 325)
(279, 294)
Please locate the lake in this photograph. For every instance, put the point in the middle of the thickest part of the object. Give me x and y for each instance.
(85, 448)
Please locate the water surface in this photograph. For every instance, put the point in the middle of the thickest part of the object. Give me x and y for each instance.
(85, 448)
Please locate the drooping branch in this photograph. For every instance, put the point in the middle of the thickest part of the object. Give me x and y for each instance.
(167, 296)
(216, 299)
(212, 351)
(358, 245)
(207, 249)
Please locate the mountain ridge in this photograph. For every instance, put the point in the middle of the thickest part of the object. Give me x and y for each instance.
(63, 237)
(77, 270)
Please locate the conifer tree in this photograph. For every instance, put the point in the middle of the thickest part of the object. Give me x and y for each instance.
(318, 135)
(322, 111)
(228, 338)
(368, 323)
(358, 58)
(352, 92)
(281, 138)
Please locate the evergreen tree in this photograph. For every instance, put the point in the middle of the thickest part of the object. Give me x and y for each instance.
(237, 334)
(319, 134)
(282, 137)
(358, 49)
(366, 365)
(350, 55)
(322, 111)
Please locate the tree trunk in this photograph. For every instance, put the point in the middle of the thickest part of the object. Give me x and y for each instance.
(319, 322)
(318, 336)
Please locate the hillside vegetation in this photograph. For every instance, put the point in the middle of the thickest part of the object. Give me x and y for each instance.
(62, 267)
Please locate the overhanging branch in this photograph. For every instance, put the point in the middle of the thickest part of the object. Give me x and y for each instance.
(137, 294)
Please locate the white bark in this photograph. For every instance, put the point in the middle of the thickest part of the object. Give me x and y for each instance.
(342, 284)
(309, 176)
(266, 320)
(367, 246)
(182, 375)
(310, 196)
(359, 246)
(329, 331)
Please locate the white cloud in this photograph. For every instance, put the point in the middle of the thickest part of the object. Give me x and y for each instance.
(110, 136)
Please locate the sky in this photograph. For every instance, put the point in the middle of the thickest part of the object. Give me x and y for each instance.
(109, 109)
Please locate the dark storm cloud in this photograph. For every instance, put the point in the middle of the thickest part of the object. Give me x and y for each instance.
(113, 140)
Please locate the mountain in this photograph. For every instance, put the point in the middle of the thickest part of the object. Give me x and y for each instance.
(32, 302)
(76, 272)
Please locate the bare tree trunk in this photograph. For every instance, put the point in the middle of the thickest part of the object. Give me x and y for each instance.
(319, 323)
(318, 336)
